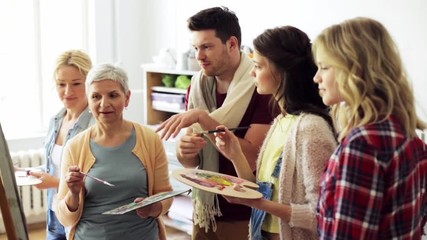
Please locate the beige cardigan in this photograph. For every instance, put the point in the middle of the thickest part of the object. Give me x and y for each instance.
(305, 154)
(148, 148)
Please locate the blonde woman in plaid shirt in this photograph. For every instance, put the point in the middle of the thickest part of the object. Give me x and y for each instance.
(375, 184)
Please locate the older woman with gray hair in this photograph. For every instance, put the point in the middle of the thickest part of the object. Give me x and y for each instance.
(112, 143)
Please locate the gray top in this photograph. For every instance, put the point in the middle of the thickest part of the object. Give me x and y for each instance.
(119, 166)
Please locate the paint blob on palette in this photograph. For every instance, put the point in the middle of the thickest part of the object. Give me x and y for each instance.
(217, 183)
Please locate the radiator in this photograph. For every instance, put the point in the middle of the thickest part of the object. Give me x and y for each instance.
(34, 201)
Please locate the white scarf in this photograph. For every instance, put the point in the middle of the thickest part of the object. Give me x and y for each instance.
(202, 96)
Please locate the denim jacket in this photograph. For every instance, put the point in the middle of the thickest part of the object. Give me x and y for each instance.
(85, 120)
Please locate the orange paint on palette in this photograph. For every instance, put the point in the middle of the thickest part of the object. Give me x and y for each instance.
(218, 183)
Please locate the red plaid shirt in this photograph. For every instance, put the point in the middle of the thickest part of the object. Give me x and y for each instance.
(374, 186)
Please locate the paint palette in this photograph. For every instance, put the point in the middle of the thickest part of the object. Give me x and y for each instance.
(218, 183)
(147, 201)
(22, 179)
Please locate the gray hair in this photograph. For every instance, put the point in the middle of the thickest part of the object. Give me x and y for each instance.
(107, 71)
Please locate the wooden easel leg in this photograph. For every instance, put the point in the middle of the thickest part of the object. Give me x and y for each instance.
(7, 216)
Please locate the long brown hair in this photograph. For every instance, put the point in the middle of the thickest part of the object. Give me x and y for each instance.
(289, 50)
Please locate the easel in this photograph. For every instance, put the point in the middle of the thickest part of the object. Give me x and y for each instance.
(7, 216)
(10, 203)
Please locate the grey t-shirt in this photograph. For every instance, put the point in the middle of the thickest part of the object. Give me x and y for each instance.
(119, 166)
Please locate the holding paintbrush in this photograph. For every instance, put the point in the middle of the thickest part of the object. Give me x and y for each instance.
(298, 145)
(221, 130)
(113, 144)
(222, 93)
(97, 179)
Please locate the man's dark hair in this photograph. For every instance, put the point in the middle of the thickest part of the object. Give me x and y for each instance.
(221, 19)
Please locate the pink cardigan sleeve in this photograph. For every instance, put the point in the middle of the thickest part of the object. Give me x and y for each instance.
(315, 144)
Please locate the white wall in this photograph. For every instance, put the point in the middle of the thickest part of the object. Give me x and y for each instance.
(404, 19)
(162, 23)
(132, 31)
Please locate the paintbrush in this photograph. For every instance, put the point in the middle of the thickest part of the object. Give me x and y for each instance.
(97, 179)
(221, 130)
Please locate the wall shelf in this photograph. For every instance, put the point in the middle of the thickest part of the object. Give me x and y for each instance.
(169, 90)
(152, 82)
(167, 109)
(155, 112)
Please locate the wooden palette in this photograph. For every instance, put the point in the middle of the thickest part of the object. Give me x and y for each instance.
(218, 183)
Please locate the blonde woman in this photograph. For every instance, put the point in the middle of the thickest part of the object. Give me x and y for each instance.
(375, 184)
(70, 74)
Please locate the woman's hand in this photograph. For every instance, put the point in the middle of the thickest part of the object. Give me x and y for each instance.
(242, 201)
(74, 180)
(228, 144)
(48, 181)
(152, 210)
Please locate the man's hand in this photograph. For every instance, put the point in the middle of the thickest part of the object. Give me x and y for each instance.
(173, 125)
(189, 147)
